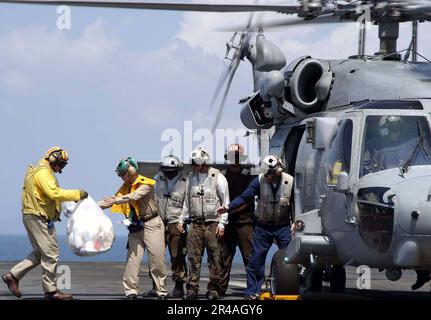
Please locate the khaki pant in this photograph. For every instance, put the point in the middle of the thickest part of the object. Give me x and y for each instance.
(45, 252)
(153, 239)
(203, 236)
(235, 235)
(177, 244)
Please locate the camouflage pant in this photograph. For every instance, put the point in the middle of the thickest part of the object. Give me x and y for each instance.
(177, 243)
(203, 236)
(236, 235)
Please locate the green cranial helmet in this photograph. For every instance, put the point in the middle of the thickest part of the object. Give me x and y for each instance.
(124, 165)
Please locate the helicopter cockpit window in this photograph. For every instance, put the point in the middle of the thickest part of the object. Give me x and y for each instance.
(340, 153)
(393, 141)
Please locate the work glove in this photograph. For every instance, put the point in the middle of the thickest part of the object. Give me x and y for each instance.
(83, 194)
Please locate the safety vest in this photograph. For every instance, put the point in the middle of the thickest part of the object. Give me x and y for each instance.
(203, 197)
(151, 208)
(170, 203)
(274, 208)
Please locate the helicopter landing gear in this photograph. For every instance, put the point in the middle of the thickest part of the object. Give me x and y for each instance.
(315, 280)
(284, 276)
(338, 279)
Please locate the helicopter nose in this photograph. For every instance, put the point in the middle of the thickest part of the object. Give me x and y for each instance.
(412, 201)
(413, 206)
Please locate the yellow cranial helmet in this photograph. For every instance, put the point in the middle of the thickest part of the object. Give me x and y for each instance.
(57, 155)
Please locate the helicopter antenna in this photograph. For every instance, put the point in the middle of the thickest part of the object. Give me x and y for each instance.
(415, 41)
(362, 39)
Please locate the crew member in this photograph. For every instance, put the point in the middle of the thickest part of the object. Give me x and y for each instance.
(136, 200)
(41, 207)
(171, 189)
(273, 214)
(239, 231)
(207, 189)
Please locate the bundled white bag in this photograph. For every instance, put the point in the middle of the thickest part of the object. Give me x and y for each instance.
(89, 231)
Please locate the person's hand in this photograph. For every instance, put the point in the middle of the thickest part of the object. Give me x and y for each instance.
(83, 194)
(221, 210)
(108, 201)
(180, 227)
(220, 232)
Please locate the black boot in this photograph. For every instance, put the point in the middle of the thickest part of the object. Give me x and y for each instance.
(178, 291)
(423, 276)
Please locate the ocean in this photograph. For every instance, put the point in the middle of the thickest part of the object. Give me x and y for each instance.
(17, 247)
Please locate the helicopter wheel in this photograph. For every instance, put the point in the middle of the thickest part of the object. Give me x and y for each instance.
(338, 279)
(284, 276)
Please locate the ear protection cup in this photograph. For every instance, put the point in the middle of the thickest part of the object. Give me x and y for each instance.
(57, 155)
(131, 170)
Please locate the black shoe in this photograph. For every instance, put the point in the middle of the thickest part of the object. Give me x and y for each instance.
(178, 291)
(191, 295)
(423, 276)
(152, 293)
(132, 297)
(212, 295)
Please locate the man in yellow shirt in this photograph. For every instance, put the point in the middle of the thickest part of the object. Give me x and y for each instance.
(41, 207)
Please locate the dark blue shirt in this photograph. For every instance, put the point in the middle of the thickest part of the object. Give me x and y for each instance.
(248, 195)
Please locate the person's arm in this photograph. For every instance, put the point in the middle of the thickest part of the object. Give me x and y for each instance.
(185, 213)
(139, 193)
(248, 195)
(223, 193)
(106, 202)
(46, 181)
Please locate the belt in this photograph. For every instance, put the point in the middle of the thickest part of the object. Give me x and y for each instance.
(200, 221)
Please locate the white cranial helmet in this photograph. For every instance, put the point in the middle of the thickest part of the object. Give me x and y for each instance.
(200, 156)
(171, 163)
(272, 163)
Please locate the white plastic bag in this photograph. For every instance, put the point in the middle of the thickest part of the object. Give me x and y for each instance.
(68, 207)
(89, 231)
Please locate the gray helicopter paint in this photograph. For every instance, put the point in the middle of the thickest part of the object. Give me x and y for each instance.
(332, 209)
(357, 80)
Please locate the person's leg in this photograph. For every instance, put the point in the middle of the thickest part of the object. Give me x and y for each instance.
(134, 257)
(195, 245)
(262, 241)
(177, 250)
(154, 241)
(45, 239)
(33, 259)
(282, 235)
(227, 252)
(213, 251)
(244, 234)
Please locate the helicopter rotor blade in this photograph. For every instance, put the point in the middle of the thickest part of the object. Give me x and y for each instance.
(241, 52)
(239, 55)
(286, 23)
(226, 92)
(176, 6)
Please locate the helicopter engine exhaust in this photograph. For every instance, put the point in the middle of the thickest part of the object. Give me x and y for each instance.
(310, 85)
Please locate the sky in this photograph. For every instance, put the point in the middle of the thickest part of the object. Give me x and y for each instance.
(119, 82)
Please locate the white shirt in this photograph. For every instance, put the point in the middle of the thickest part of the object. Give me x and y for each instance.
(222, 192)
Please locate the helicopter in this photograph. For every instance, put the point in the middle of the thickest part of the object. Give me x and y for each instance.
(354, 133)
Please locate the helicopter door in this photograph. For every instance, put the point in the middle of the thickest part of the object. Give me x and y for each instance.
(336, 204)
(291, 147)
